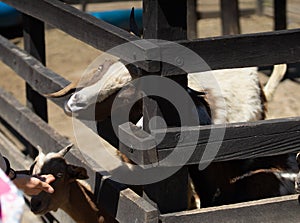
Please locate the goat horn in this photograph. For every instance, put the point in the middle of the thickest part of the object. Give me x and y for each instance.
(68, 89)
(64, 151)
(278, 73)
(134, 29)
(298, 158)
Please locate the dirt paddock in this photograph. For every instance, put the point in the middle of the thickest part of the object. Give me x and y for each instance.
(69, 58)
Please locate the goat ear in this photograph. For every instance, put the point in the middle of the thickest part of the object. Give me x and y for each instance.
(77, 172)
(128, 92)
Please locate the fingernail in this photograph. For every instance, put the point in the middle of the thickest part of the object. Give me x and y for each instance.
(50, 190)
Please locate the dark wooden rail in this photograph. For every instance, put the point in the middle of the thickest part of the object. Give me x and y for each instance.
(245, 50)
(31, 70)
(233, 141)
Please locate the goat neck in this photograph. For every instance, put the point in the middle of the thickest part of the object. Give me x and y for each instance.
(81, 206)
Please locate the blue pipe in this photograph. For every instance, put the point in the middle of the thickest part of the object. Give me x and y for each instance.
(120, 17)
(9, 16)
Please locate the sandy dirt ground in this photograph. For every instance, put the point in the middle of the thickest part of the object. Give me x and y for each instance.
(70, 57)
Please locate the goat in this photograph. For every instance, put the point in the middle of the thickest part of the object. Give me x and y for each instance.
(240, 89)
(244, 180)
(69, 194)
(262, 183)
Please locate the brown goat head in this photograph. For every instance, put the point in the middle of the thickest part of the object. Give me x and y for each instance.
(64, 173)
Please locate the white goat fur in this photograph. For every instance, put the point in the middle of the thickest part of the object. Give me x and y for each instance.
(235, 95)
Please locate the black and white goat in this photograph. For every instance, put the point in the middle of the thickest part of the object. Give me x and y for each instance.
(235, 95)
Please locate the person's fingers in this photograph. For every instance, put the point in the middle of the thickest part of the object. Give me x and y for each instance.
(32, 192)
(44, 182)
(49, 178)
(46, 187)
(40, 177)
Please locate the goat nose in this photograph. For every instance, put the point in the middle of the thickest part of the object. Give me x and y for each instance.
(77, 102)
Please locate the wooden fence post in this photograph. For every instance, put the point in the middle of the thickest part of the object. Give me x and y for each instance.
(230, 17)
(163, 22)
(280, 14)
(34, 44)
(192, 19)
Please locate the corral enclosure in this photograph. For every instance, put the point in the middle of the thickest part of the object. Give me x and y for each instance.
(68, 50)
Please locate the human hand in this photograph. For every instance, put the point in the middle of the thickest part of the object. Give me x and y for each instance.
(32, 185)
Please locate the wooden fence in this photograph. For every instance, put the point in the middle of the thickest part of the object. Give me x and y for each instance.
(262, 138)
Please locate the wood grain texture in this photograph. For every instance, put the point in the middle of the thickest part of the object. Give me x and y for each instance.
(39, 77)
(280, 209)
(244, 50)
(135, 209)
(233, 141)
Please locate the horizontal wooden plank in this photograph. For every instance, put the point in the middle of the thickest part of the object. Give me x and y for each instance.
(241, 130)
(245, 50)
(231, 141)
(25, 122)
(240, 140)
(93, 31)
(31, 70)
(280, 209)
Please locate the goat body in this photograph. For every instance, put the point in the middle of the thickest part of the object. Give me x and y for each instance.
(81, 206)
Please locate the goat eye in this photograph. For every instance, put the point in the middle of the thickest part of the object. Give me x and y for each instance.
(100, 68)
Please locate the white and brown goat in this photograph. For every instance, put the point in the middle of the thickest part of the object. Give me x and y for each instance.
(235, 95)
(69, 194)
